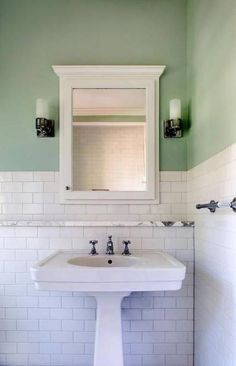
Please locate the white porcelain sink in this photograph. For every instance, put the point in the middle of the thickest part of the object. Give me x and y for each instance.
(109, 279)
(71, 271)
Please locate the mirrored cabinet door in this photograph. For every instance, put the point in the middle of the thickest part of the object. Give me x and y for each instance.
(109, 133)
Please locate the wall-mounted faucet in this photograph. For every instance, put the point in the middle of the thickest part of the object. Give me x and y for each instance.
(110, 246)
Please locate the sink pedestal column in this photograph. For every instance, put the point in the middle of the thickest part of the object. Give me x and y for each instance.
(108, 337)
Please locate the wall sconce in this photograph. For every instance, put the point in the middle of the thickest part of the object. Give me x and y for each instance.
(173, 127)
(44, 126)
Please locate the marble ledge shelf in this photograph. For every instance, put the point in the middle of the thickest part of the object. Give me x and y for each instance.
(55, 223)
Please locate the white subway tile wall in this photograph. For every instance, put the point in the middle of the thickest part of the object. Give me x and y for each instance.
(157, 326)
(34, 196)
(57, 328)
(215, 256)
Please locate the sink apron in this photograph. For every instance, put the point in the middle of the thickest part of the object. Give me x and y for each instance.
(108, 336)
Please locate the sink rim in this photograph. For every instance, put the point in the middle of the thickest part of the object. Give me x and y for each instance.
(145, 257)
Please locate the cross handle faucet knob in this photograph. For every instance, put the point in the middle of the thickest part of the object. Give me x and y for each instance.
(93, 250)
(126, 248)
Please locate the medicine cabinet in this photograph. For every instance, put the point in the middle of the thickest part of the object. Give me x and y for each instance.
(109, 133)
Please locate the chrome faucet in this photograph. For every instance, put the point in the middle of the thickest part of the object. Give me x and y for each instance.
(93, 250)
(110, 246)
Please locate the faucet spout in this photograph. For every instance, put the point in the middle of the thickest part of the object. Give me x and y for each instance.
(110, 246)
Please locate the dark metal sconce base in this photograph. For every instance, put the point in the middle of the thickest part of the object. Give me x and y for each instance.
(45, 127)
(173, 128)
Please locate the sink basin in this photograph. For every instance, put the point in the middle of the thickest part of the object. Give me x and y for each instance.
(71, 271)
(104, 261)
(109, 279)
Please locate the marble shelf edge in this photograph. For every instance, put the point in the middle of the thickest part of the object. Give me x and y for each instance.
(55, 223)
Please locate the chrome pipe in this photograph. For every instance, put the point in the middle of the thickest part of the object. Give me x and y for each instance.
(213, 205)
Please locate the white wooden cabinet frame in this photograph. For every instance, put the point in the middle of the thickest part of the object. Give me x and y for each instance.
(109, 76)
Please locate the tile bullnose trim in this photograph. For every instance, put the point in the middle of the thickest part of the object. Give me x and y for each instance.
(55, 223)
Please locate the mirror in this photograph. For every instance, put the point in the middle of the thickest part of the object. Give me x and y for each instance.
(109, 139)
(109, 133)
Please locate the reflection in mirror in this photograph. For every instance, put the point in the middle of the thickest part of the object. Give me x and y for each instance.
(109, 139)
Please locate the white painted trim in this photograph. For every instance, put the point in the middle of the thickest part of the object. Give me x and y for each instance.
(108, 124)
(145, 77)
(108, 111)
(112, 70)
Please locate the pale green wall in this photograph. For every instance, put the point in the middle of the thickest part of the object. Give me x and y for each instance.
(211, 77)
(35, 34)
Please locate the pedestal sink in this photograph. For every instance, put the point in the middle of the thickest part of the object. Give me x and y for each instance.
(109, 279)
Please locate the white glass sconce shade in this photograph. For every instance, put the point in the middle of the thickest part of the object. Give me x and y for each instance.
(175, 109)
(42, 110)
